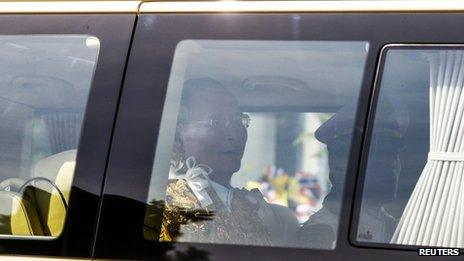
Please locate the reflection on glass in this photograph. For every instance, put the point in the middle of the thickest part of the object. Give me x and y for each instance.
(249, 149)
(44, 86)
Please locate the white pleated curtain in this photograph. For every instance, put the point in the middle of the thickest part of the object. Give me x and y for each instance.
(434, 215)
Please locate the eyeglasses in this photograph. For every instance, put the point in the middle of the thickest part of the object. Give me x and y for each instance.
(242, 120)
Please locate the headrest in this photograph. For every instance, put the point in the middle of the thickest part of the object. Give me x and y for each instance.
(52, 193)
(60, 199)
(50, 166)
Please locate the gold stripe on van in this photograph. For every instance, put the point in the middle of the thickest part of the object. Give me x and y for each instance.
(70, 7)
(304, 6)
(30, 258)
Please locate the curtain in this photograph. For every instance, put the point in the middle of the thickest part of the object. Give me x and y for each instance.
(434, 214)
(63, 130)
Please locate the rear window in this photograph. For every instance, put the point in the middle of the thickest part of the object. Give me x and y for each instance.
(44, 85)
(254, 142)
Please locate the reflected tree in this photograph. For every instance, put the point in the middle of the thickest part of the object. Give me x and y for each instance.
(165, 224)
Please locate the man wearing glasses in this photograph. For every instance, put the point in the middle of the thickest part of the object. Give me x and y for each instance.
(201, 206)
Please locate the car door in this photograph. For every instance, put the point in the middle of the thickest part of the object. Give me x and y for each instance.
(305, 77)
(62, 69)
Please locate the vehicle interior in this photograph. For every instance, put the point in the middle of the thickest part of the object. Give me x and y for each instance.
(44, 90)
(289, 105)
(288, 96)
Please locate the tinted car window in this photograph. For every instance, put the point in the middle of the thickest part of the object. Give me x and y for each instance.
(413, 185)
(254, 142)
(44, 86)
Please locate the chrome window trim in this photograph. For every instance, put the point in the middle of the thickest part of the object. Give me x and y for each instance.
(51, 7)
(303, 6)
(137, 6)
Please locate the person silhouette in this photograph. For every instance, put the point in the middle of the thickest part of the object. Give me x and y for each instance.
(320, 231)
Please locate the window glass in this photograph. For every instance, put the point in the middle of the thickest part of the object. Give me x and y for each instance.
(44, 86)
(254, 142)
(288, 169)
(413, 187)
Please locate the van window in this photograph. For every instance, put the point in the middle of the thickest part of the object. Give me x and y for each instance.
(254, 142)
(413, 186)
(44, 85)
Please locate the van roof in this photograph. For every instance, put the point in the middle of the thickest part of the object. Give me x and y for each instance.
(229, 6)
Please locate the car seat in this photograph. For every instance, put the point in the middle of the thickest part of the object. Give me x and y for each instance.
(48, 191)
(18, 216)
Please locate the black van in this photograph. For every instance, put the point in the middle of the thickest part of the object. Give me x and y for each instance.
(231, 130)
